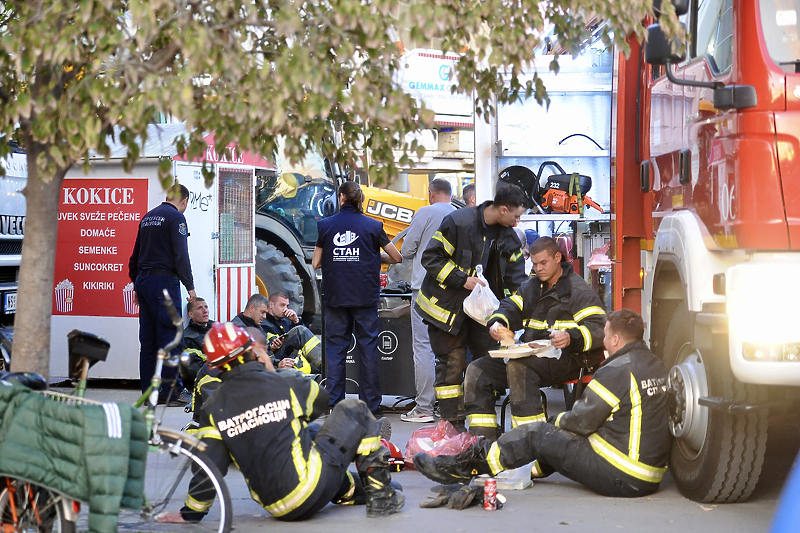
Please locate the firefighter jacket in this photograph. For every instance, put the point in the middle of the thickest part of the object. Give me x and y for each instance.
(463, 242)
(570, 305)
(623, 413)
(259, 419)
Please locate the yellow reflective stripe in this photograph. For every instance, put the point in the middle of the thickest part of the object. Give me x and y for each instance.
(520, 420)
(604, 393)
(312, 397)
(448, 391)
(500, 316)
(583, 313)
(636, 421)
(368, 445)
(196, 505)
(536, 470)
(493, 458)
(517, 299)
(312, 343)
(587, 337)
(516, 256)
(208, 432)
(445, 271)
(558, 419)
(430, 307)
(535, 324)
(271, 336)
(482, 420)
(624, 463)
(565, 324)
(308, 471)
(449, 248)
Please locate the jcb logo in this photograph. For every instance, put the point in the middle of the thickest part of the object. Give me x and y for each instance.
(394, 212)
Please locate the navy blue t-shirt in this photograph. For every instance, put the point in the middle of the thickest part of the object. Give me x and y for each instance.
(351, 258)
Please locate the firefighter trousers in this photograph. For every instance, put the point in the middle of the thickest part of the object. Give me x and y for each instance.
(523, 378)
(450, 351)
(571, 455)
(350, 433)
(300, 342)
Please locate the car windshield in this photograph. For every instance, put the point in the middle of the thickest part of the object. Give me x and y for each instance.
(779, 19)
(297, 203)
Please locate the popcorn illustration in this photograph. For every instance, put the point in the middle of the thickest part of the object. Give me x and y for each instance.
(128, 295)
(64, 291)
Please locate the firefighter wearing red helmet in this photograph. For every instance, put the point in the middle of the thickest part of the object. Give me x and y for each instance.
(257, 414)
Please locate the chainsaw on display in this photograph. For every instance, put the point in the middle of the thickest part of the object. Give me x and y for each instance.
(561, 193)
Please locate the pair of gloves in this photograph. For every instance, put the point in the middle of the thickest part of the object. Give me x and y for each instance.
(455, 497)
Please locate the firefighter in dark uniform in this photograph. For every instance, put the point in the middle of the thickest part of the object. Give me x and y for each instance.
(615, 440)
(193, 335)
(481, 235)
(288, 337)
(349, 252)
(260, 419)
(555, 304)
(160, 260)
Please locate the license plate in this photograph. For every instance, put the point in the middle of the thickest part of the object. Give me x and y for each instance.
(10, 302)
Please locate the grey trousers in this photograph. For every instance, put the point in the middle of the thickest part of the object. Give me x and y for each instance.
(423, 360)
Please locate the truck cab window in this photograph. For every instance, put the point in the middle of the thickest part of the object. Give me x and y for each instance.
(715, 33)
(779, 22)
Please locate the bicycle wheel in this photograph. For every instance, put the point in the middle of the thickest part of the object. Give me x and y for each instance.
(170, 467)
(26, 507)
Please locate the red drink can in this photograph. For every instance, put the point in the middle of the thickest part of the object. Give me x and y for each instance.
(490, 495)
(384, 280)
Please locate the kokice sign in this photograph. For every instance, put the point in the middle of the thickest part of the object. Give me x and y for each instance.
(97, 227)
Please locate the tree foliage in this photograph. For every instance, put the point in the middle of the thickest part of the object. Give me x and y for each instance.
(74, 73)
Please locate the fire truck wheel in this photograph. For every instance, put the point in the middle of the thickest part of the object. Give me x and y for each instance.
(716, 456)
(278, 274)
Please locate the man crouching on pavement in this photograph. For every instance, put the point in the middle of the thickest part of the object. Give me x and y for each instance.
(260, 420)
(615, 440)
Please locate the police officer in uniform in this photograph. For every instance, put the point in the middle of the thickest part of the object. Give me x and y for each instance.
(615, 440)
(349, 252)
(160, 260)
(256, 414)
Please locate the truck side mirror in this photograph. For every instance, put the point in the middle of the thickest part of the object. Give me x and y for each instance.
(735, 97)
(658, 50)
(681, 7)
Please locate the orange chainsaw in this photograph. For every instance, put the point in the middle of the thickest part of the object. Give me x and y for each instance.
(566, 193)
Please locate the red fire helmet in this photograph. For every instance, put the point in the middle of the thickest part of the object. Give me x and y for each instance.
(224, 342)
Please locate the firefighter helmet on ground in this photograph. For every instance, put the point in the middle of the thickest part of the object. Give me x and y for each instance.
(225, 342)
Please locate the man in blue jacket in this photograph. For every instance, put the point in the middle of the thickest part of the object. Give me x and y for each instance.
(160, 260)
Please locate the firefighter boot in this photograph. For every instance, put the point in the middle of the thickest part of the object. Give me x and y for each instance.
(461, 468)
(384, 496)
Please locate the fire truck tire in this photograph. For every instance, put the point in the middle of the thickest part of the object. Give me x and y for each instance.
(278, 274)
(722, 461)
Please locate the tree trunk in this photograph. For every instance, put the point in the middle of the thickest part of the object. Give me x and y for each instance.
(31, 351)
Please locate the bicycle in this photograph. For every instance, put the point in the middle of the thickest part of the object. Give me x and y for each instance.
(172, 461)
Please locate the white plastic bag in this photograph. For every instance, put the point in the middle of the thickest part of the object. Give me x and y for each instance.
(481, 302)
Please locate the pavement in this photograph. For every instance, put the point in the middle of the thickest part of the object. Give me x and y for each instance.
(554, 504)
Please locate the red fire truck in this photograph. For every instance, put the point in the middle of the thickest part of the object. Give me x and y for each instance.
(706, 232)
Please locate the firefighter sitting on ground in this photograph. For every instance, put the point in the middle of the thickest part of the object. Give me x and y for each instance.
(555, 304)
(615, 440)
(193, 336)
(304, 471)
(289, 338)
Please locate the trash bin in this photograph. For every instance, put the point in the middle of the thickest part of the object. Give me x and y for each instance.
(396, 357)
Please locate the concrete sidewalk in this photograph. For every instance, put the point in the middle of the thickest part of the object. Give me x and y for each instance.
(554, 504)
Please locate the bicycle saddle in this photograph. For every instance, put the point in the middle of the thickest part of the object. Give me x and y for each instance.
(29, 379)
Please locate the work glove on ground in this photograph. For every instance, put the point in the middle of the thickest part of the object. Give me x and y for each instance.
(454, 496)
